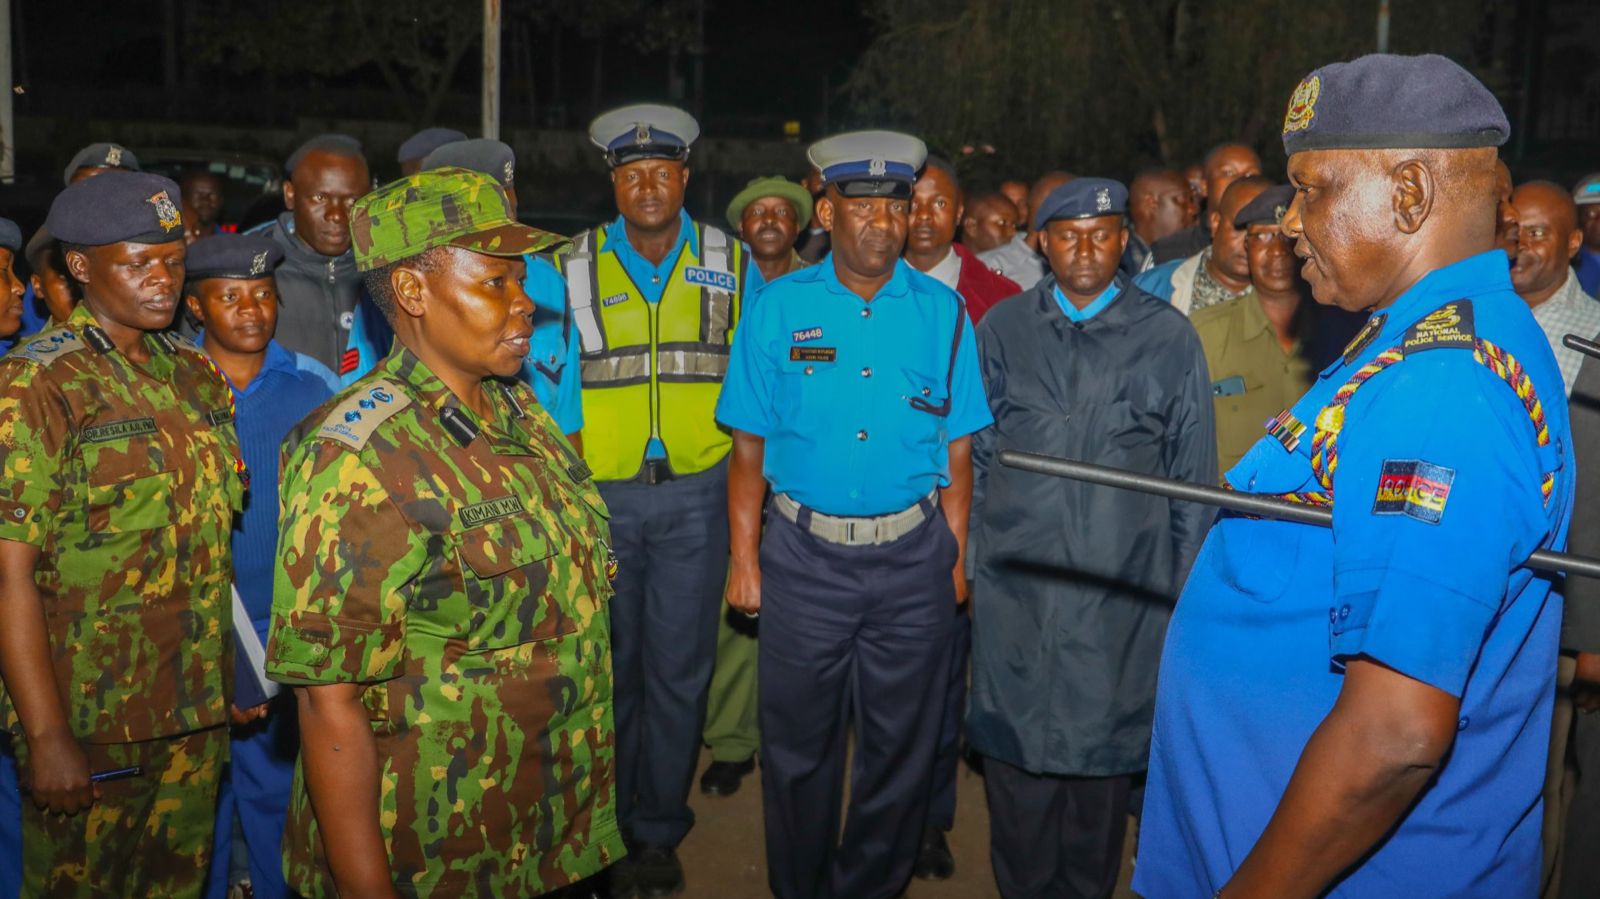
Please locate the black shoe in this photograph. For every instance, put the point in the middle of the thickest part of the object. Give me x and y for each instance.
(657, 871)
(723, 778)
(623, 879)
(934, 861)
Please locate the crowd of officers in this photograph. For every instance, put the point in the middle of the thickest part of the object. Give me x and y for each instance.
(517, 519)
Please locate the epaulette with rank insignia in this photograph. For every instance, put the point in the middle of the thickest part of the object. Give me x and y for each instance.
(1449, 326)
(48, 346)
(353, 421)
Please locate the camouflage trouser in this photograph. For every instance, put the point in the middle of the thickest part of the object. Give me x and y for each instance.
(146, 836)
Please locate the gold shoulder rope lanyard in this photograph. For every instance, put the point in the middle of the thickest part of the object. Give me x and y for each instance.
(1330, 421)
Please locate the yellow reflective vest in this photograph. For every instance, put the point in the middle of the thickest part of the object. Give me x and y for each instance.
(654, 369)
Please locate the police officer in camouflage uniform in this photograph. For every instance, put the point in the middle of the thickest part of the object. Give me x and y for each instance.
(443, 570)
(119, 480)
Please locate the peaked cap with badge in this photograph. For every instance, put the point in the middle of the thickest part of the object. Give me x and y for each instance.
(117, 207)
(869, 163)
(1268, 208)
(239, 257)
(644, 131)
(1082, 198)
(419, 145)
(1587, 193)
(103, 155)
(435, 208)
(491, 157)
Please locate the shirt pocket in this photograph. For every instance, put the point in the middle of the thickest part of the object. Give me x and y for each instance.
(1255, 557)
(507, 570)
(124, 496)
(798, 378)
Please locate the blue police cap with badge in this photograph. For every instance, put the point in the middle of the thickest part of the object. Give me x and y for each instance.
(238, 257)
(117, 207)
(485, 155)
(644, 131)
(869, 163)
(419, 145)
(1082, 198)
(1268, 208)
(103, 155)
(10, 235)
(1383, 101)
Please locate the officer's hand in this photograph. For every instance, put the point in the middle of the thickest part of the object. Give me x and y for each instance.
(60, 775)
(744, 588)
(963, 589)
(245, 716)
(1586, 682)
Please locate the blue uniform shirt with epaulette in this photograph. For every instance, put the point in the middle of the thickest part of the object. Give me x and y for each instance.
(857, 400)
(1451, 466)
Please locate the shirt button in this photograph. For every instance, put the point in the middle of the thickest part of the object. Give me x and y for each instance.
(866, 313)
(1344, 611)
(809, 369)
(1462, 724)
(866, 372)
(861, 435)
(926, 391)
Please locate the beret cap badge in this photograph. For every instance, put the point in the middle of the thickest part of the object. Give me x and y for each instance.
(166, 211)
(1303, 105)
(1102, 200)
(113, 155)
(258, 263)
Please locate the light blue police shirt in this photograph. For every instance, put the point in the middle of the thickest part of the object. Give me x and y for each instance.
(857, 400)
(1437, 501)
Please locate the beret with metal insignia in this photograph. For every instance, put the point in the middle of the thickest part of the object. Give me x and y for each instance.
(1082, 198)
(869, 163)
(103, 155)
(240, 257)
(419, 145)
(1267, 208)
(10, 235)
(491, 157)
(1384, 101)
(644, 131)
(117, 207)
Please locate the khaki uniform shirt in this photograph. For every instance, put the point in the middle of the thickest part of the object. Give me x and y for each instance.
(1252, 378)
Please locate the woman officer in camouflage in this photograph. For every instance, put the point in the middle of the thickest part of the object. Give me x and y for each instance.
(442, 575)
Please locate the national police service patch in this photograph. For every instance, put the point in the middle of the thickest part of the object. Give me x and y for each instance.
(1413, 488)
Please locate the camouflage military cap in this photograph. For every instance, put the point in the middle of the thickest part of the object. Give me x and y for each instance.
(436, 208)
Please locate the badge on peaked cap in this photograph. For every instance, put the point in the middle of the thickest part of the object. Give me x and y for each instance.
(1303, 105)
(641, 134)
(258, 263)
(508, 172)
(877, 167)
(166, 213)
(1102, 200)
(1278, 212)
(113, 155)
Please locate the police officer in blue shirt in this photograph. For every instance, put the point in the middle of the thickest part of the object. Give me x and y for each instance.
(553, 348)
(1365, 711)
(852, 391)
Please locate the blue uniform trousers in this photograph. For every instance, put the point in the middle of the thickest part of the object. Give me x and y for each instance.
(862, 630)
(10, 824)
(947, 760)
(256, 788)
(671, 541)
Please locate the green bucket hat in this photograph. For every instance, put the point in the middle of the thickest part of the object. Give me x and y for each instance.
(439, 207)
(771, 186)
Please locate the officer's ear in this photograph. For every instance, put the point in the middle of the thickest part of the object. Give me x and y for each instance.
(1575, 241)
(288, 195)
(77, 265)
(823, 212)
(410, 291)
(1413, 194)
(192, 301)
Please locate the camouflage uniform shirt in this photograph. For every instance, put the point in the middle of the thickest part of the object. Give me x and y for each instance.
(458, 569)
(123, 475)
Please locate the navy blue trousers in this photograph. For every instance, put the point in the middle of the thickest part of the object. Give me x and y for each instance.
(862, 632)
(947, 762)
(671, 541)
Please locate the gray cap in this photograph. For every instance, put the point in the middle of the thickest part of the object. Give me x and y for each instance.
(869, 163)
(419, 145)
(101, 155)
(485, 155)
(1587, 193)
(644, 131)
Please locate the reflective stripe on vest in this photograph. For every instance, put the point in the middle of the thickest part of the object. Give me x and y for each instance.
(654, 370)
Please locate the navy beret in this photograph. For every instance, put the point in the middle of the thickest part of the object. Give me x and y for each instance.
(1383, 101)
(101, 155)
(419, 145)
(10, 235)
(485, 155)
(117, 207)
(41, 241)
(1082, 198)
(243, 257)
(1267, 208)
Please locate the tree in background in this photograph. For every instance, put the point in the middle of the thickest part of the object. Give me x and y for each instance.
(1108, 86)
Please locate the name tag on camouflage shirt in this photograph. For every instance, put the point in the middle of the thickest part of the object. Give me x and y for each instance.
(219, 416)
(117, 430)
(491, 510)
